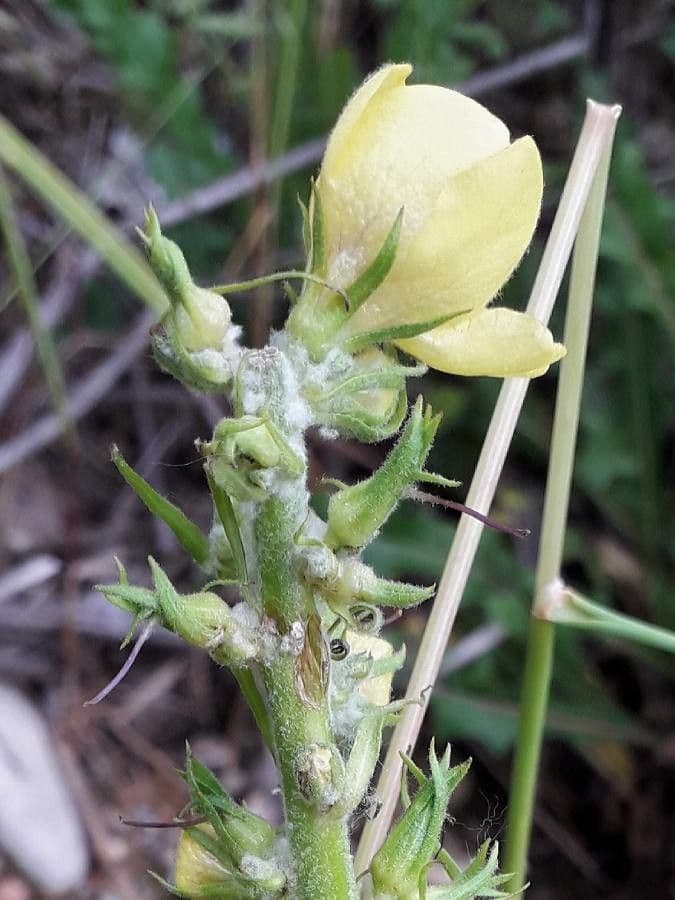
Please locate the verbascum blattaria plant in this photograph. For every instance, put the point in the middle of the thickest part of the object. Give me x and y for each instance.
(422, 210)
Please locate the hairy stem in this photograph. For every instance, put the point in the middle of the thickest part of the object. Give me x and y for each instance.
(296, 692)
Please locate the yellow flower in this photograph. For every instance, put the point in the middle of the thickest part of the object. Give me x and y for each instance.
(470, 201)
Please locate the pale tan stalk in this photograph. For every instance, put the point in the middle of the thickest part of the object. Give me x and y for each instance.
(595, 134)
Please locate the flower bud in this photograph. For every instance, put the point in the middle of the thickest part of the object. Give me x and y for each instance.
(233, 850)
(350, 582)
(245, 452)
(368, 400)
(197, 868)
(202, 619)
(413, 841)
(200, 318)
(356, 513)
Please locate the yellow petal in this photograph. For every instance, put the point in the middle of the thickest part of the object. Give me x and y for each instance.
(396, 146)
(376, 690)
(481, 224)
(382, 79)
(498, 342)
(196, 868)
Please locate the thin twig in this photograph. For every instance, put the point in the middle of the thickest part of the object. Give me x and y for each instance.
(28, 574)
(81, 399)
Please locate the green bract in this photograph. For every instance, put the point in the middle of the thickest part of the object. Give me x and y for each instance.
(355, 514)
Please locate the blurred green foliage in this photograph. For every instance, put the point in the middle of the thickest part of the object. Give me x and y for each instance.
(189, 78)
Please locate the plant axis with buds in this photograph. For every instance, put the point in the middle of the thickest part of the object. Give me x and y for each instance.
(407, 242)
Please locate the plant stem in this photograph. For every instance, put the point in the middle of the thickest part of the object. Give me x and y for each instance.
(571, 608)
(540, 646)
(484, 484)
(296, 695)
(319, 843)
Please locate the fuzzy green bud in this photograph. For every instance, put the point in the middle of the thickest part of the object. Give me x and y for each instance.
(230, 854)
(202, 619)
(356, 513)
(243, 454)
(346, 582)
(367, 400)
(413, 841)
(240, 832)
(198, 869)
(200, 319)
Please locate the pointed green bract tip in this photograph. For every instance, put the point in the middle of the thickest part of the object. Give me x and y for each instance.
(356, 513)
(413, 841)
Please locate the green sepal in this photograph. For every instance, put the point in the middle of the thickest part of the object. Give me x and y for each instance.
(137, 601)
(258, 440)
(441, 480)
(369, 402)
(347, 582)
(479, 879)
(306, 229)
(228, 519)
(352, 419)
(238, 831)
(383, 592)
(173, 359)
(165, 257)
(395, 333)
(234, 889)
(316, 255)
(356, 513)
(413, 841)
(369, 280)
(202, 619)
(189, 535)
(391, 377)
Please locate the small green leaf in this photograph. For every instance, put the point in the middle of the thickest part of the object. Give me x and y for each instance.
(228, 519)
(374, 379)
(378, 270)
(441, 480)
(479, 879)
(187, 533)
(396, 333)
(317, 255)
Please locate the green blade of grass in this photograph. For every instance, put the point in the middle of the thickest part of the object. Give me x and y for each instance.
(71, 205)
(20, 265)
(189, 535)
